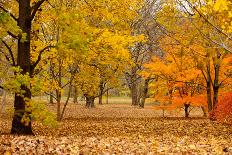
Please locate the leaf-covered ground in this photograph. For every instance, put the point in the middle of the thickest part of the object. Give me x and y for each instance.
(120, 129)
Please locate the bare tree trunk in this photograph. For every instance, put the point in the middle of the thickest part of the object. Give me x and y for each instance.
(19, 126)
(134, 91)
(66, 102)
(208, 88)
(216, 85)
(58, 102)
(51, 98)
(186, 110)
(75, 95)
(139, 95)
(204, 112)
(89, 101)
(144, 93)
(58, 92)
(107, 96)
(101, 89)
(134, 95)
(100, 99)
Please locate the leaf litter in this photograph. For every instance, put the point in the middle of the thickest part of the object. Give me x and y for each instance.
(122, 130)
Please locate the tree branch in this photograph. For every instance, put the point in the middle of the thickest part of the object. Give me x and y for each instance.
(223, 81)
(205, 18)
(51, 95)
(35, 8)
(6, 11)
(10, 51)
(40, 55)
(12, 35)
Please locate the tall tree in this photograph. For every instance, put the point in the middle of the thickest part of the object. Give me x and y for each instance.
(21, 123)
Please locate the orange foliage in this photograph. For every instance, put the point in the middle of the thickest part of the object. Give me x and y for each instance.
(223, 111)
(193, 101)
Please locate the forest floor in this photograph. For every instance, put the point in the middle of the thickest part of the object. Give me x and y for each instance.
(120, 129)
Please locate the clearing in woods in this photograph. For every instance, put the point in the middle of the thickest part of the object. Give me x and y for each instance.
(120, 129)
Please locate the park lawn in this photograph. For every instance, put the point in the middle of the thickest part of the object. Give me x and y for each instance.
(120, 129)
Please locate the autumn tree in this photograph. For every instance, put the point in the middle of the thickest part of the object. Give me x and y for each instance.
(25, 11)
(147, 25)
(188, 36)
(109, 37)
(211, 22)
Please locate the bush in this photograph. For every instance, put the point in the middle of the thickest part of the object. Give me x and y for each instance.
(223, 111)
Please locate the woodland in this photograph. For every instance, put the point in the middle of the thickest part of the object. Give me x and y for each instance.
(115, 77)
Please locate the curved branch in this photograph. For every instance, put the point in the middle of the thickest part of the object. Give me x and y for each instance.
(35, 8)
(11, 52)
(13, 35)
(40, 55)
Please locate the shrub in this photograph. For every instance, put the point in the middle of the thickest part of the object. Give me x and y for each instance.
(223, 111)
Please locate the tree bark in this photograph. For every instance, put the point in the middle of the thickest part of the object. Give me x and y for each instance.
(23, 61)
(204, 112)
(51, 98)
(58, 102)
(89, 101)
(58, 91)
(208, 88)
(134, 91)
(107, 96)
(100, 99)
(186, 110)
(66, 102)
(101, 91)
(144, 93)
(216, 85)
(75, 95)
(134, 95)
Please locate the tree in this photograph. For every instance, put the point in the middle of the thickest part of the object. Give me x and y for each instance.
(145, 24)
(186, 34)
(109, 37)
(21, 123)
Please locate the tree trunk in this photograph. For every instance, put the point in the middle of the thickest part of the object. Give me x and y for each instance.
(144, 93)
(208, 88)
(89, 101)
(101, 89)
(186, 110)
(100, 99)
(58, 97)
(134, 95)
(66, 102)
(107, 96)
(139, 95)
(216, 85)
(19, 125)
(51, 99)
(23, 61)
(204, 112)
(75, 95)
(134, 91)
(58, 91)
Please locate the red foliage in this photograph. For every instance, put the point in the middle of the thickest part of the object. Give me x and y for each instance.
(223, 111)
